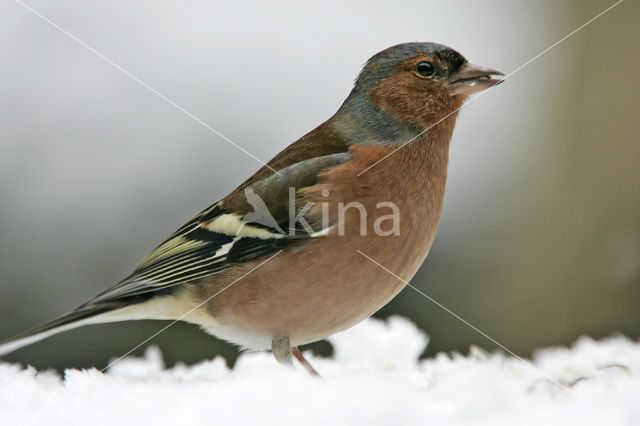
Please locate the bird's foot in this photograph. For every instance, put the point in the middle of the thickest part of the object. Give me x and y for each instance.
(282, 351)
(307, 366)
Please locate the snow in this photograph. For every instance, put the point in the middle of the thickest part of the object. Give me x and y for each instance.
(374, 377)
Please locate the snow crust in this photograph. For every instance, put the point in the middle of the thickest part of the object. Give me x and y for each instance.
(374, 377)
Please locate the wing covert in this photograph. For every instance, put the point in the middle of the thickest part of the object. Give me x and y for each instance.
(245, 226)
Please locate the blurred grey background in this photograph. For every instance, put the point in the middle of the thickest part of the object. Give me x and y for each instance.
(540, 237)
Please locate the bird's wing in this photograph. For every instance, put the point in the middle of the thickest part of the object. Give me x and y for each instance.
(247, 225)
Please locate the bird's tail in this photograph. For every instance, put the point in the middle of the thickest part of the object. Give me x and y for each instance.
(84, 315)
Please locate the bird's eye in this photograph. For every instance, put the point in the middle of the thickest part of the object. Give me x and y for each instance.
(425, 69)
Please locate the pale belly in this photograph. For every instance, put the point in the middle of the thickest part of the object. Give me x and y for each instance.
(335, 290)
(327, 285)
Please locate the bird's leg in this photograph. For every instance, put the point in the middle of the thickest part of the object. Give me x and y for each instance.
(281, 349)
(296, 352)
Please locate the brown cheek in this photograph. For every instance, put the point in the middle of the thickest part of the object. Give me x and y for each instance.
(412, 100)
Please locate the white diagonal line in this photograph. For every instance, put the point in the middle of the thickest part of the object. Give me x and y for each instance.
(188, 312)
(142, 83)
(492, 87)
(524, 361)
(449, 311)
(564, 38)
(445, 308)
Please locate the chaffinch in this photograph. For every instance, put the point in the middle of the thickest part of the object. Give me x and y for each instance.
(279, 261)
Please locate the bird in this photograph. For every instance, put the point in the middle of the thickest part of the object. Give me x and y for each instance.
(285, 258)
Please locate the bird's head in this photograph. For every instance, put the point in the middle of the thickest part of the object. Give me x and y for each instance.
(416, 85)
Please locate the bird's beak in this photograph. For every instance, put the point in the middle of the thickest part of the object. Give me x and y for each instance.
(472, 78)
